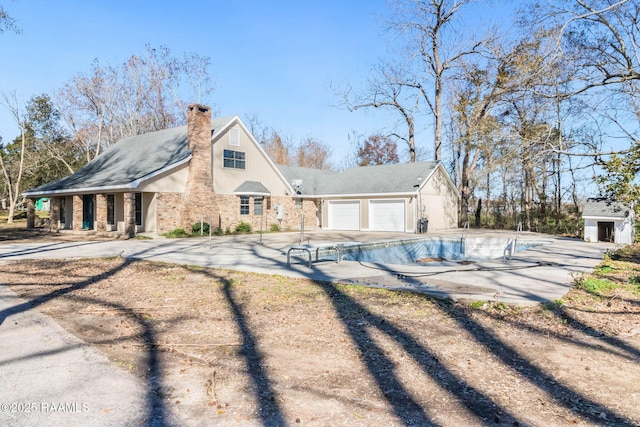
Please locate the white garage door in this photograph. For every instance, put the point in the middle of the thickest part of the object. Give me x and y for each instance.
(386, 215)
(344, 215)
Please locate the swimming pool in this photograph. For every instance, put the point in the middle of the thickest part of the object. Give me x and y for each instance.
(410, 251)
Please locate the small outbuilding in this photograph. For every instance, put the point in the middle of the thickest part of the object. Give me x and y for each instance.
(608, 220)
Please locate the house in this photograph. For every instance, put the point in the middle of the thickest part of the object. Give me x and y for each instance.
(215, 170)
(608, 221)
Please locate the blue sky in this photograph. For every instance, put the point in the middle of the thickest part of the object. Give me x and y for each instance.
(274, 59)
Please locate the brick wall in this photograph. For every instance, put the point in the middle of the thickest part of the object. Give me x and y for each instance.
(229, 214)
(101, 212)
(77, 212)
(130, 214)
(54, 214)
(169, 207)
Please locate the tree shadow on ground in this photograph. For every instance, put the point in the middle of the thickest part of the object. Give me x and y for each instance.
(155, 412)
(411, 412)
(266, 397)
(406, 408)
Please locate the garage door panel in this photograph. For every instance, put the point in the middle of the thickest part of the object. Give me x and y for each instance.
(344, 215)
(387, 215)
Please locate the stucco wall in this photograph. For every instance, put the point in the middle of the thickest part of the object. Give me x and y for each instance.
(440, 202)
(173, 181)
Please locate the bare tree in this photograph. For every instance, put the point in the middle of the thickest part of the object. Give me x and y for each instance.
(427, 22)
(12, 168)
(312, 153)
(388, 88)
(143, 94)
(277, 148)
(7, 23)
(377, 150)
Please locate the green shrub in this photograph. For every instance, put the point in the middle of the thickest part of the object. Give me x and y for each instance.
(227, 231)
(274, 228)
(243, 227)
(218, 231)
(195, 228)
(178, 232)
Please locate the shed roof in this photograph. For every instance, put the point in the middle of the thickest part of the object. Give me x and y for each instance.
(605, 208)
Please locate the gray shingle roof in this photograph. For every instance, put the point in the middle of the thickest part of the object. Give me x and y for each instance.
(379, 179)
(601, 207)
(252, 188)
(128, 161)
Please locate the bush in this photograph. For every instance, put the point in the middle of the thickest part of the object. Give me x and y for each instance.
(195, 228)
(218, 231)
(274, 228)
(243, 227)
(178, 232)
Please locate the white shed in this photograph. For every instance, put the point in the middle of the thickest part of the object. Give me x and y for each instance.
(608, 221)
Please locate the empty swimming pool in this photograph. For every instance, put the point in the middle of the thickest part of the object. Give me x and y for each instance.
(410, 251)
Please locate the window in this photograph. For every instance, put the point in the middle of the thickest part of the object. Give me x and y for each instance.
(138, 208)
(298, 203)
(234, 159)
(111, 209)
(257, 205)
(244, 205)
(234, 137)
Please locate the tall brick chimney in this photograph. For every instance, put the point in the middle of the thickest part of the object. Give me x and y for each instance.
(198, 198)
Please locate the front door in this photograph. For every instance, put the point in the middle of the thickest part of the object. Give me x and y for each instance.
(87, 212)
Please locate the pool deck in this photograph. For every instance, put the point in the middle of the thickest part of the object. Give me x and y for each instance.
(540, 274)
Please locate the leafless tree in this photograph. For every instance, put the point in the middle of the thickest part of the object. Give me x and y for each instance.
(13, 172)
(377, 149)
(143, 94)
(388, 88)
(7, 23)
(312, 153)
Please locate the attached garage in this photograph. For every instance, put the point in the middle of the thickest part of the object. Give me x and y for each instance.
(344, 214)
(387, 215)
(397, 198)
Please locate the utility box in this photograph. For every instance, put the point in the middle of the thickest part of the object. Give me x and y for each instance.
(423, 225)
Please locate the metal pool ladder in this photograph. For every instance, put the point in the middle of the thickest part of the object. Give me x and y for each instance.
(463, 239)
(514, 242)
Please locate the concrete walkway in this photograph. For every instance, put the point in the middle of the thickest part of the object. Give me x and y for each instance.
(50, 377)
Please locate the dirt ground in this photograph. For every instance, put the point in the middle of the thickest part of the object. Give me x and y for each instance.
(220, 347)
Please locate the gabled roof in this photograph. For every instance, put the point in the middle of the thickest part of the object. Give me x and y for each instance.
(129, 162)
(605, 208)
(398, 178)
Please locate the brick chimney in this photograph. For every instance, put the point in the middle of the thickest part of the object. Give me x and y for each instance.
(198, 198)
(198, 126)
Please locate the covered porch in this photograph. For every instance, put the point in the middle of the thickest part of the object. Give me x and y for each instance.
(124, 212)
